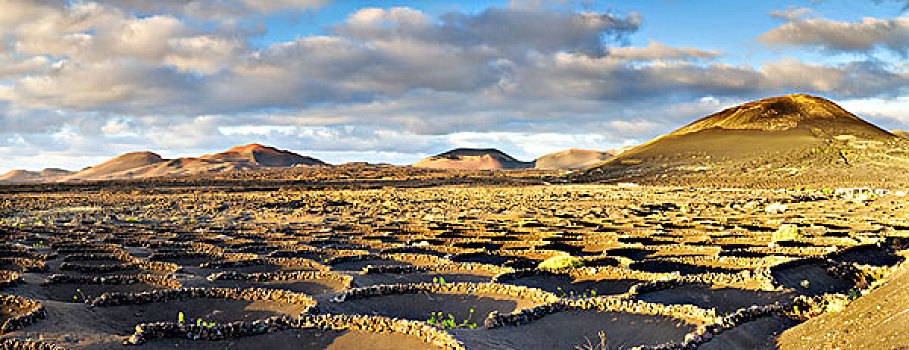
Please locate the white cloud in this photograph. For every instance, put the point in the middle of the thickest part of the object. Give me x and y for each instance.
(658, 51)
(894, 109)
(836, 36)
(204, 54)
(11, 67)
(80, 85)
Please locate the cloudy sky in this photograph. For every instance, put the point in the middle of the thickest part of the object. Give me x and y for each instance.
(395, 81)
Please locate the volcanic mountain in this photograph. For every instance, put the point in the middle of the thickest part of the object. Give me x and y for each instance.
(573, 159)
(473, 159)
(148, 164)
(25, 176)
(262, 156)
(789, 139)
(117, 165)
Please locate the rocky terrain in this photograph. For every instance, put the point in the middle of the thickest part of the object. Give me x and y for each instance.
(400, 257)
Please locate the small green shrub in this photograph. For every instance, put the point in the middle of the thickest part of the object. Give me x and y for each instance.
(80, 295)
(439, 320)
(571, 294)
(786, 232)
(561, 262)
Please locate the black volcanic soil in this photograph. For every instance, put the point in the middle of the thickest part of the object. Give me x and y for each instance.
(419, 277)
(570, 286)
(421, 306)
(762, 333)
(724, 300)
(566, 330)
(299, 339)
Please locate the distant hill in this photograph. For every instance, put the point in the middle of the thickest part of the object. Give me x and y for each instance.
(262, 156)
(901, 133)
(25, 176)
(573, 159)
(792, 139)
(118, 164)
(473, 159)
(147, 164)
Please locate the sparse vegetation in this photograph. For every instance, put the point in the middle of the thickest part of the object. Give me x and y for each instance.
(448, 321)
(601, 343)
(571, 294)
(582, 244)
(560, 262)
(786, 232)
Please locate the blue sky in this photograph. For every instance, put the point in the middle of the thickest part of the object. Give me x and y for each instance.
(395, 81)
(730, 26)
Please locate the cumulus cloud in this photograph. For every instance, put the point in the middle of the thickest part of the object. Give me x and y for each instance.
(508, 31)
(91, 32)
(122, 63)
(835, 36)
(791, 14)
(584, 77)
(392, 82)
(12, 67)
(215, 9)
(885, 109)
(118, 85)
(658, 51)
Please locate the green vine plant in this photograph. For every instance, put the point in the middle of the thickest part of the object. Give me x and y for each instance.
(80, 295)
(440, 280)
(438, 319)
(589, 293)
(199, 322)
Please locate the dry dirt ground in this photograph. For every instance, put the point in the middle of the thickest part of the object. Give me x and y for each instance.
(875, 321)
(661, 265)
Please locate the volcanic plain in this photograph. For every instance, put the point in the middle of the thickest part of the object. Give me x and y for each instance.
(782, 223)
(422, 258)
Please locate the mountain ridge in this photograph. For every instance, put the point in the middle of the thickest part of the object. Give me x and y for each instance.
(144, 164)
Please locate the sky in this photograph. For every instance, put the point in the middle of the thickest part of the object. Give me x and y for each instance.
(396, 81)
